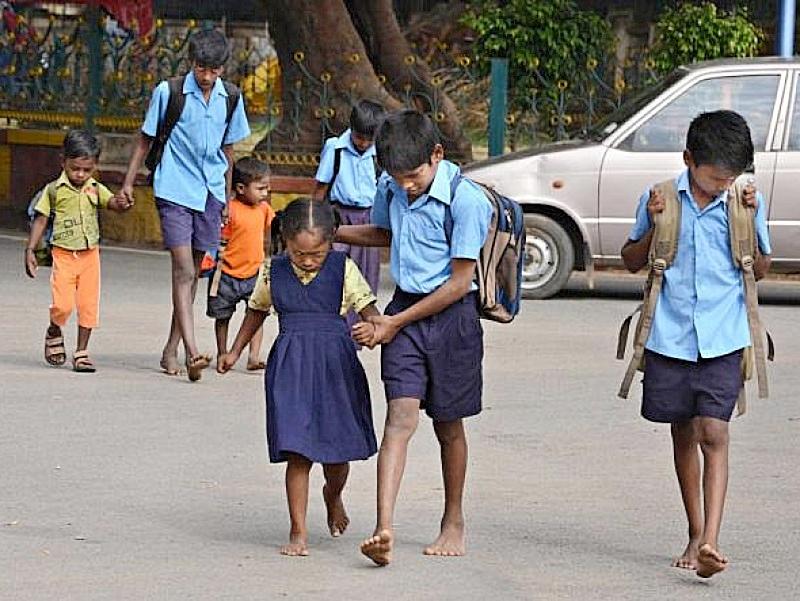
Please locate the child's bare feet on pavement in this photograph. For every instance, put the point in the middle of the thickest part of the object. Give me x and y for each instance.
(379, 547)
(450, 542)
(169, 364)
(255, 364)
(710, 561)
(337, 516)
(296, 547)
(687, 561)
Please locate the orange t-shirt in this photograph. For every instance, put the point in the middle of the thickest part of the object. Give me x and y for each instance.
(247, 225)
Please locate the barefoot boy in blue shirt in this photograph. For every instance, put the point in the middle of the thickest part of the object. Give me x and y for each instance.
(431, 334)
(694, 351)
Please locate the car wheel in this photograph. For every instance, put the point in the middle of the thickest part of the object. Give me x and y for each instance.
(549, 257)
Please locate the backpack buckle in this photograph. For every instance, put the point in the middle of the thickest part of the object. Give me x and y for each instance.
(747, 261)
(659, 265)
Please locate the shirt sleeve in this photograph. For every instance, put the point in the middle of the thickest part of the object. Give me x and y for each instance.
(356, 291)
(41, 202)
(103, 195)
(239, 128)
(762, 231)
(380, 207)
(326, 158)
(472, 214)
(261, 298)
(156, 110)
(642, 224)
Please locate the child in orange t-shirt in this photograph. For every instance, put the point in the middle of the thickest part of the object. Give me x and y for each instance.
(247, 235)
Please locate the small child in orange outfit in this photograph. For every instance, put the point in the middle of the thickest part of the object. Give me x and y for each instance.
(72, 201)
(247, 234)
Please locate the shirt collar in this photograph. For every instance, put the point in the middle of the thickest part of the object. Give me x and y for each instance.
(190, 85)
(63, 180)
(440, 187)
(345, 141)
(683, 185)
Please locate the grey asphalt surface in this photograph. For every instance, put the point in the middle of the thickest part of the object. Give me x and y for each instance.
(128, 484)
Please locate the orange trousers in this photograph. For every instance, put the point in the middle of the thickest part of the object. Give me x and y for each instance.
(75, 279)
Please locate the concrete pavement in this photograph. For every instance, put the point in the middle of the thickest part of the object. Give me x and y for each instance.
(128, 484)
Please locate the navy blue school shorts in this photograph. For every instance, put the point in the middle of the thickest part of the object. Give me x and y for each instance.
(231, 292)
(437, 360)
(182, 226)
(676, 390)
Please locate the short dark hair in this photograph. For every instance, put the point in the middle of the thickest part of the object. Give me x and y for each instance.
(365, 117)
(80, 143)
(209, 48)
(722, 139)
(248, 169)
(405, 140)
(301, 215)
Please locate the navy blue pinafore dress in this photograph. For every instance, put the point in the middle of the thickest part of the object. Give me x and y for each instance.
(318, 403)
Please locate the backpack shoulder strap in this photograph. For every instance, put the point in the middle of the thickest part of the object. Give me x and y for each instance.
(337, 164)
(741, 227)
(175, 106)
(448, 208)
(232, 100)
(663, 247)
(667, 225)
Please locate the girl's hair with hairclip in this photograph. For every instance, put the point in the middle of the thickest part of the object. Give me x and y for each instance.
(301, 215)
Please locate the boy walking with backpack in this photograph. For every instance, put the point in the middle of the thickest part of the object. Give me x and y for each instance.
(347, 176)
(431, 334)
(188, 135)
(246, 236)
(694, 349)
(69, 206)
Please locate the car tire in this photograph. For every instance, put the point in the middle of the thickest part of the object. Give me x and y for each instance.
(549, 257)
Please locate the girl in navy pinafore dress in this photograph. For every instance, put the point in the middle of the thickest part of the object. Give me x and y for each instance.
(318, 403)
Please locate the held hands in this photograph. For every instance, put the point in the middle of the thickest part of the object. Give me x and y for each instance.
(226, 362)
(121, 202)
(749, 197)
(378, 329)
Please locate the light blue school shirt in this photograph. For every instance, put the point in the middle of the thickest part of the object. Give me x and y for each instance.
(420, 254)
(355, 183)
(701, 311)
(193, 164)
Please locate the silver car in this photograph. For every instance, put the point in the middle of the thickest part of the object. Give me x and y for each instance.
(580, 196)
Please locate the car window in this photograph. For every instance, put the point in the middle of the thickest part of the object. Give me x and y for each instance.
(752, 96)
(794, 132)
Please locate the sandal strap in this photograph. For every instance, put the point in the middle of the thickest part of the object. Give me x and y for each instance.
(57, 341)
(81, 355)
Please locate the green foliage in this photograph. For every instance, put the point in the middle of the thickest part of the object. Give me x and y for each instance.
(552, 37)
(694, 32)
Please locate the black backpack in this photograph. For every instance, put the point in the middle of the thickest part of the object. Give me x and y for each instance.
(175, 105)
(337, 163)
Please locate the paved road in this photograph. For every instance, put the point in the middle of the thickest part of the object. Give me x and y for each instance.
(128, 484)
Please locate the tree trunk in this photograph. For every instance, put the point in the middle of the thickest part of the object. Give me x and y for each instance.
(336, 68)
(406, 74)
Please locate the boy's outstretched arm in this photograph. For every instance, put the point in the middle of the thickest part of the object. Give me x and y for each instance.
(38, 227)
(454, 289)
(252, 321)
(140, 150)
(363, 235)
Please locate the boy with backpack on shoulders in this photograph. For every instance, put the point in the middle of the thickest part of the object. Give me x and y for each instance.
(347, 176)
(187, 136)
(68, 207)
(701, 315)
(431, 334)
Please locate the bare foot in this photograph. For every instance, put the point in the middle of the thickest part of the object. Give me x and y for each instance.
(220, 361)
(254, 364)
(687, 561)
(379, 547)
(296, 547)
(710, 561)
(450, 542)
(196, 365)
(337, 516)
(169, 364)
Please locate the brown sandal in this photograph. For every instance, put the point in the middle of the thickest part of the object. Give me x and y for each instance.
(54, 351)
(196, 365)
(82, 364)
